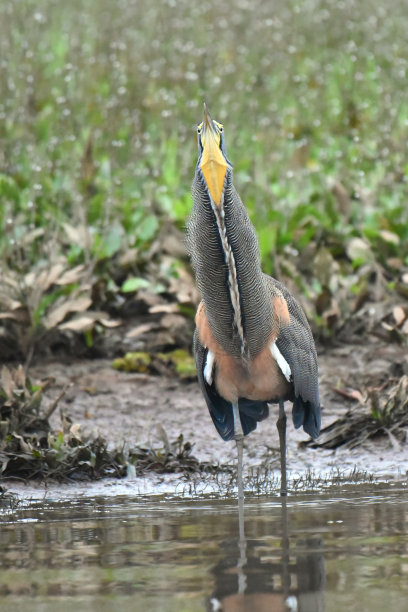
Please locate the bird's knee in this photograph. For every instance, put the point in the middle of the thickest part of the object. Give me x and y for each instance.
(281, 422)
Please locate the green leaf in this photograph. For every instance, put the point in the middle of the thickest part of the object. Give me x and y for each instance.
(148, 228)
(134, 284)
(107, 246)
(88, 334)
(267, 239)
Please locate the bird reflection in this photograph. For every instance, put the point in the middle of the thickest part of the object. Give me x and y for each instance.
(253, 577)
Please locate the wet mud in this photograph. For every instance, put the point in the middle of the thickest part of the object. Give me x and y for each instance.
(130, 409)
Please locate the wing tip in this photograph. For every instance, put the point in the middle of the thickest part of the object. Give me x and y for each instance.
(307, 413)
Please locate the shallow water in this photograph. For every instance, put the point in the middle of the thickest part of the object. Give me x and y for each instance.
(344, 550)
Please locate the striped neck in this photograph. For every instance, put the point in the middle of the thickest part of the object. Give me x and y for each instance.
(225, 255)
(232, 274)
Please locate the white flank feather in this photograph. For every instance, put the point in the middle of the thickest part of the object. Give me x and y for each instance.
(281, 361)
(208, 368)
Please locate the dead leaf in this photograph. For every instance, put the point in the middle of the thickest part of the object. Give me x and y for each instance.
(399, 315)
(352, 394)
(85, 322)
(173, 242)
(183, 287)
(71, 276)
(74, 430)
(359, 249)
(159, 435)
(10, 304)
(7, 381)
(109, 322)
(80, 324)
(20, 315)
(9, 287)
(166, 308)
(141, 329)
(47, 278)
(173, 321)
(387, 326)
(20, 377)
(325, 267)
(58, 314)
(29, 279)
(394, 262)
(343, 198)
(128, 257)
(76, 235)
(148, 297)
(390, 237)
(29, 237)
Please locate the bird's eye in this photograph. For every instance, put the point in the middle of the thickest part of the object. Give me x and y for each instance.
(219, 126)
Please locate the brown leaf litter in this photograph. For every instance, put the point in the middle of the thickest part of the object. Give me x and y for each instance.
(382, 411)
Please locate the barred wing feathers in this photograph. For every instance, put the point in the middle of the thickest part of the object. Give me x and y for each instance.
(295, 342)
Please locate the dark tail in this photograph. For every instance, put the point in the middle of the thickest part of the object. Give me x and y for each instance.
(308, 415)
(251, 412)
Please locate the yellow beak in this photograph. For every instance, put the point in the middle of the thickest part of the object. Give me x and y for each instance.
(213, 164)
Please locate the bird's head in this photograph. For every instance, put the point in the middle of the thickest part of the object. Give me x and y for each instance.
(212, 158)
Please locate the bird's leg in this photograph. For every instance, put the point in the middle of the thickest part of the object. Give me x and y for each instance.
(239, 439)
(242, 579)
(285, 548)
(281, 425)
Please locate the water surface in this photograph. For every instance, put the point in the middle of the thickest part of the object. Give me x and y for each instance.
(330, 551)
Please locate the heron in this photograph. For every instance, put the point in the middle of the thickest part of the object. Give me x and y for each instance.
(253, 345)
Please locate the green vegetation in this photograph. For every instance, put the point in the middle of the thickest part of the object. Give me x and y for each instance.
(97, 151)
(178, 361)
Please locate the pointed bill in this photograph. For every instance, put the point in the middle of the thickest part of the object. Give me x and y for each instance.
(213, 164)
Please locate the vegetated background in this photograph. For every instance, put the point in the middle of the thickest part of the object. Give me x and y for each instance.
(98, 107)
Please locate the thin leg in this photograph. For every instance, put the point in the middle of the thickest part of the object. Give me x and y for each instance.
(285, 548)
(281, 425)
(239, 439)
(242, 579)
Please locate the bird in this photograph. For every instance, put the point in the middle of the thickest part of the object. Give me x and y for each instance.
(252, 343)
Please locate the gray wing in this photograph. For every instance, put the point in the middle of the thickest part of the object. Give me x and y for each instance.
(220, 409)
(295, 342)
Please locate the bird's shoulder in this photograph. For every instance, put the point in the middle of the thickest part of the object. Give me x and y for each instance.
(295, 341)
(280, 291)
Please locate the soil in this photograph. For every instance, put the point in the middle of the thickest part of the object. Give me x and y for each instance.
(129, 408)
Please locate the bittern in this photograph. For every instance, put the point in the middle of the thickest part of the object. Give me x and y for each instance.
(253, 345)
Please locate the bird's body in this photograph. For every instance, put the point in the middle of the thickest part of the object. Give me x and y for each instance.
(252, 344)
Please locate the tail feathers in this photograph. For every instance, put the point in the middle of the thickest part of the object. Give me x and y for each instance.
(222, 416)
(250, 413)
(308, 415)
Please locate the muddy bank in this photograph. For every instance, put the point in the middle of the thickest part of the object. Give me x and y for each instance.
(130, 409)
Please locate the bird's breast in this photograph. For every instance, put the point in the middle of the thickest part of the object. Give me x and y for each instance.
(259, 378)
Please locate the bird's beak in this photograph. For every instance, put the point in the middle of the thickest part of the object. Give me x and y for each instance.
(213, 164)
